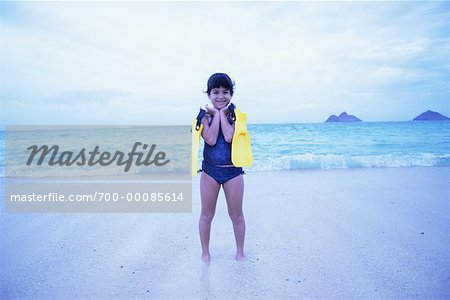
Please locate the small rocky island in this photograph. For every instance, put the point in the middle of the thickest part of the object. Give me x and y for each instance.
(344, 117)
(431, 116)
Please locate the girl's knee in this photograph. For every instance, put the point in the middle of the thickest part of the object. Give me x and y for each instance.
(236, 218)
(207, 217)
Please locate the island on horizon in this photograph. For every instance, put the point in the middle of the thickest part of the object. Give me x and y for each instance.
(343, 117)
(431, 116)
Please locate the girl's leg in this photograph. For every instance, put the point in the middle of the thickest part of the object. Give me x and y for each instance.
(234, 193)
(209, 190)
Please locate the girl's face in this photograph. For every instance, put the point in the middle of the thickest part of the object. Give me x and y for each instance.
(220, 97)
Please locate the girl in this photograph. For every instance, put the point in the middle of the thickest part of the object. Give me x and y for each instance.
(217, 168)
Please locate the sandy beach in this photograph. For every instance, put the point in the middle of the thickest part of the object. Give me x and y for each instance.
(335, 234)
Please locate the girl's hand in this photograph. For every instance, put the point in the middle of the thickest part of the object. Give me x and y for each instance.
(224, 111)
(211, 110)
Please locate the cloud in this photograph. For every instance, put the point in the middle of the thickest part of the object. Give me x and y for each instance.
(129, 59)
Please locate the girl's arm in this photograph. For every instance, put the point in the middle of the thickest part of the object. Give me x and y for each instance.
(211, 128)
(227, 129)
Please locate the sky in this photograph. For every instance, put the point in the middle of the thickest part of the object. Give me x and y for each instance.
(120, 63)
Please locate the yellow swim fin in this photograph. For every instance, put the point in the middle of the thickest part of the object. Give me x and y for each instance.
(241, 151)
(196, 130)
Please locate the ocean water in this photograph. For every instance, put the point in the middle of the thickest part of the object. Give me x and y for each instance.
(350, 145)
(279, 147)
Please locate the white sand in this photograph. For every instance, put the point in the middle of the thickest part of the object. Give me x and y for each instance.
(363, 233)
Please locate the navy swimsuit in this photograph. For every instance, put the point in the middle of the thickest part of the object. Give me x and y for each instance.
(217, 160)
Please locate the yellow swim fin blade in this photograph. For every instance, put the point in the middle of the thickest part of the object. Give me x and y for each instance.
(196, 130)
(241, 151)
(196, 134)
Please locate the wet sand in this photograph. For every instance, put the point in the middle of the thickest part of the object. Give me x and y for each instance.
(357, 233)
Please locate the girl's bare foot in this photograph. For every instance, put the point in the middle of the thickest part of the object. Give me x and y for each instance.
(240, 256)
(206, 257)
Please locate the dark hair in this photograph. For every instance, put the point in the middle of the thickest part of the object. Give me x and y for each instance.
(220, 80)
